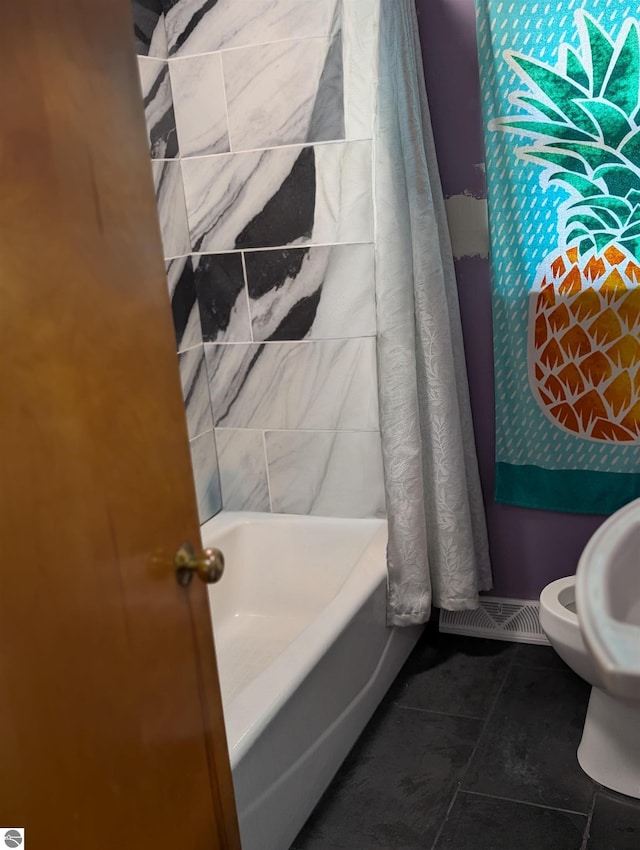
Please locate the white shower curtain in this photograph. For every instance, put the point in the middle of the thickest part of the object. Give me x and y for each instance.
(438, 551)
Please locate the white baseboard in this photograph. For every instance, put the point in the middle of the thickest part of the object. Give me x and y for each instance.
(514, 620)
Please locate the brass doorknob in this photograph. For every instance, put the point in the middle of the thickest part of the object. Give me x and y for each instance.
(208, 564)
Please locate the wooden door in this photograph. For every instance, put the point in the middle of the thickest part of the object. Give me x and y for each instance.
(111, 732)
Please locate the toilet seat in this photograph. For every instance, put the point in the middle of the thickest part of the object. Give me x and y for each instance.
(608, 601)
(552, 598)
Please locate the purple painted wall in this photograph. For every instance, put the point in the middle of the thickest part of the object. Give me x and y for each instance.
(528, 548)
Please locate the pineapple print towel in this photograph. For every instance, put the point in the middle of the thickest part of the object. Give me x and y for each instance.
(561, 98)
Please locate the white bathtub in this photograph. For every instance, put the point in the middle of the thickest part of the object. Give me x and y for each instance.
(304, 657)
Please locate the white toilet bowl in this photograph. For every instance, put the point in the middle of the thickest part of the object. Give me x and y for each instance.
(609, 751)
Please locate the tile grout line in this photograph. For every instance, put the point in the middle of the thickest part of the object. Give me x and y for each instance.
(525, 803)
(438, 713)
(226, 102)
(273, 148)
(201, 434)
(210, 405)
(187, 220)
(249, 46)
(304, 431)
(487, 719)
(473, 752)
(147, 58)
(587, 829)
(454, 797)
(246, 293)
(266, 469)
(295, 341)
(266, 248)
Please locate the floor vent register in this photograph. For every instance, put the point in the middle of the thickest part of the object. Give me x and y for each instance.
(502, 619)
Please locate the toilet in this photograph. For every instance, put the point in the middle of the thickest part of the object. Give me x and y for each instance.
(592, 620)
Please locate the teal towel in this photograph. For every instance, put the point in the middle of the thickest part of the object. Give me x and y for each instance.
(561, 100)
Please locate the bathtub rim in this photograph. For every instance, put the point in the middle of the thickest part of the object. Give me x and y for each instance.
(275, 685)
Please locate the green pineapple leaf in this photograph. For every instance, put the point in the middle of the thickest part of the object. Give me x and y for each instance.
(590, 222)
(632, 232)
(617, 207)
(610, 119)
(603, 239)
(561, 92)
(564, 161)
(594, 238)
(577, 182)
(543, 129)
(576, 235)
(608, 219)
(601, 51)
(632, 246)
(535, 105)
(593, 155)
(622, 83)
(575, 70)
(586, 245)
(634, 218)
(619, 179)
(631, 149)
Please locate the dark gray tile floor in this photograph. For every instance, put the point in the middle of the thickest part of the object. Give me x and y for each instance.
(473, 748)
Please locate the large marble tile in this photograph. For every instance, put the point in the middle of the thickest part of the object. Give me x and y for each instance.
(252, 200)
(184, 303)
(243, 470)
(328, 384)
(167, 178)
(158, 107)
(344, 203)
(195, 391)
(200, 107)
(315, 293)
(148, 28)
(287, 196)
(222, 296)
(202, 26)
(360, 37)
(205, 472)
(284, 93)
(326, 473)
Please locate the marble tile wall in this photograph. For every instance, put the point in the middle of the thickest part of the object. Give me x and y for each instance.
(260, 131)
